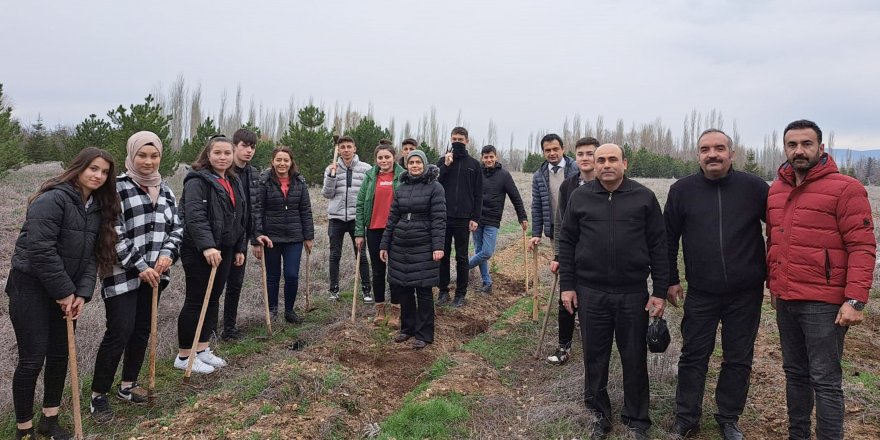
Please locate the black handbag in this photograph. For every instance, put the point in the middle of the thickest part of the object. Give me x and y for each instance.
(658, 336)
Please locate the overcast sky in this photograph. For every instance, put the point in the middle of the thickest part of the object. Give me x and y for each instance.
(525, 64)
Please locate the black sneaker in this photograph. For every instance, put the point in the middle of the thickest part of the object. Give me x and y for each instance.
(487, 289)
(231, 334)
(458, 302)
(100, 409)
(25, 434)
(443, 298)
(599, 429)
(292, 317)
(127, 393)
(367, 292)
(49, 427)
(333, 293)
(560, 357)
(639, 433)
(681, 431)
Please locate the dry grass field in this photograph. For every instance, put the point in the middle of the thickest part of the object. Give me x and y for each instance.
(331, 378)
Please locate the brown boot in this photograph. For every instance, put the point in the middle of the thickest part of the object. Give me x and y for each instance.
(380, 314)
(394, 317)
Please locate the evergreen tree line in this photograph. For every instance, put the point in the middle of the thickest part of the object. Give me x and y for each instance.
(177, 117)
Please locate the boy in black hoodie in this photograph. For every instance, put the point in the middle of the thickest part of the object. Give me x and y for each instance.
(463, 182)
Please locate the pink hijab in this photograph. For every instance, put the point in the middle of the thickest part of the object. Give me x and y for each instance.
(149, 182)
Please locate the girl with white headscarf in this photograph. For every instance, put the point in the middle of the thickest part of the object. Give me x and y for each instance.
(149, 235)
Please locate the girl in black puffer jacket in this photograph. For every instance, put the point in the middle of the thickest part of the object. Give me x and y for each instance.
(67, 236)
(412, 245)
(286, 218)
(214, 220)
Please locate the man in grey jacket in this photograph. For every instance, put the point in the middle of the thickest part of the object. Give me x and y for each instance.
(342, 181)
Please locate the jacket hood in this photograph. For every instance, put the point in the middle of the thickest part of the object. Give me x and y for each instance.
(206, 175)
(825, 167)
(430, 175)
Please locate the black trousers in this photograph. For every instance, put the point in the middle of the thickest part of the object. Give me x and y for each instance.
(566, 326)
(336, 230)
(197, 272)
(416, 311)
(232, 294)
(606, 317)
(739, 314)
(41, 336)
(456, 229)
(374, 238)
(128, 332)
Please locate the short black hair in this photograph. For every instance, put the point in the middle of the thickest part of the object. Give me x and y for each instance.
(801, 124)
(489, 149)
(344, 139)
(460, 130)
(550, 138)
(244, 135)
(384, 141)
(586, 141)
(410, 141)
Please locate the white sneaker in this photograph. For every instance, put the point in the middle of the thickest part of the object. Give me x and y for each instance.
(198, 365)
(209, 358)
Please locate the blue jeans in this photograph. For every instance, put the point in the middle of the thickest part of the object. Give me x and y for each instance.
(812, 348)
(484, 248)
(291, 254)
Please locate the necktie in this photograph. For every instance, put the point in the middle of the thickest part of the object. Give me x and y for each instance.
(555, 168)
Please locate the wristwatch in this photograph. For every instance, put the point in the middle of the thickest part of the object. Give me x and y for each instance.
(856, 304)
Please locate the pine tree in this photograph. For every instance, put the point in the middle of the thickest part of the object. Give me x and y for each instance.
(533, 162)
(91, 132)
(37, 147)
(311, 143)
(192, 147)
(366, 136)
(430, 152)
(11, 155)
(147, 116)
(752, 166)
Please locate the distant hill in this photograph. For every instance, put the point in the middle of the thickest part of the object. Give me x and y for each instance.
(839, 154)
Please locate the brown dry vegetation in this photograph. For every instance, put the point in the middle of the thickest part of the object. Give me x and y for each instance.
(348, 378)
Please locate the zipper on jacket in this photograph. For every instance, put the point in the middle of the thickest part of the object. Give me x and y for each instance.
(827, 268)
(721, 236)
(611, 223)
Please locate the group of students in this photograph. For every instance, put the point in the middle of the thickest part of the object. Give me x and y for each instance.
(409, 212)
(131, 229)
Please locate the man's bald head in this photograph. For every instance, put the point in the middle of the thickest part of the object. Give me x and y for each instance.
(614, 147)
(610, 165)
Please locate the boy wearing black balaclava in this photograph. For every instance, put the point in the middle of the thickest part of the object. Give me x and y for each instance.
(461, 178)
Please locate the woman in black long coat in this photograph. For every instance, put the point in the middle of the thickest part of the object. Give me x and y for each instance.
(412, 245)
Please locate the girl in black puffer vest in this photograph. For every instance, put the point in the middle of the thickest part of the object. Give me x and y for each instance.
(68, 235)
(214, 221)
(286, 218)
(412, 245)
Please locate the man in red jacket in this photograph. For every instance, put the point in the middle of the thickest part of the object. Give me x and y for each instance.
(820, 260)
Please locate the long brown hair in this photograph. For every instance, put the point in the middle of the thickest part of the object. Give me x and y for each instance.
(106, 195)
(282, 149)
(203, 161)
